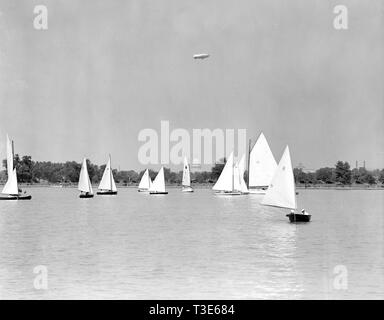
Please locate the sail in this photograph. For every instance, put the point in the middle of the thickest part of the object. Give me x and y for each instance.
(145, 181)
(186, 174)
(11, 185)
(225, 181)
(262, 164)
(158, 184)
(84, 181)
(236, 177)
(241, 165)
(281, 192)
(107, 182)
(9, 157)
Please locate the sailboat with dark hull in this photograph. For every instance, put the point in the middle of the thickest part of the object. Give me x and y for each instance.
(186, 182)
(85, 186)
(158, 185)
(11, 190)
(281, 192)
(228, 183)
(107, 184)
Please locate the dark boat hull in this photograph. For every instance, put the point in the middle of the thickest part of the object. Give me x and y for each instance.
(86, 196)
(293, 217)
(26, 197)
(107, 193)
(158, 192)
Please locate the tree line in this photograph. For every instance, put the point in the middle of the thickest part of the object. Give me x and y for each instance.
(29, 171)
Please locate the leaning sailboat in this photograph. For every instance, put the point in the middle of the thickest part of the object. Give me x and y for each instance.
(262, 166)
(281, 192)
(228, 182)
(85, 186)
(186, 182)
(145, 182)
(158, 185)
(11, 190)
(107, 184)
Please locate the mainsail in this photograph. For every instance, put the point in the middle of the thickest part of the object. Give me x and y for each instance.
(158, 184)
(186, 174)
(11, 185)
(241, 166)
(281, 191)
(107, 182)
(226, 181)
(262, 164)
(84, 181)
(145, 181)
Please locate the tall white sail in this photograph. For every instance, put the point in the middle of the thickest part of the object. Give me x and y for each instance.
(241, 166)
(186, 174)
(145, 181)
(9, 157)
(158, 184)
(107, 182)
(281, 192)
(262, 164)
(84, 181)
(225, 181)
(11, 185)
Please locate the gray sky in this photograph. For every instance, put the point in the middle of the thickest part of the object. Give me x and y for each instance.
(104, 70)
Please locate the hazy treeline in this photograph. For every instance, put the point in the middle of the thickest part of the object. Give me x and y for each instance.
(29, 171)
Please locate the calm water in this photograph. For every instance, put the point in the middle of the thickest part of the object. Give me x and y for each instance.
(191, 246)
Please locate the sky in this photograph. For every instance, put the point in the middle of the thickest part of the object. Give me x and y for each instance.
(105, 70)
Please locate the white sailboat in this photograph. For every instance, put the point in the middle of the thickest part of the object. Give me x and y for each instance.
(107, 184)
(158, 185)
(227, 184)
(186, 182)
(262, 166)
(145, 182)
(85, 186)
(281, 192)
(11, 190)
(239, 175)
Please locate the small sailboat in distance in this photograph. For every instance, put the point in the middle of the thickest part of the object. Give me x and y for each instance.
(11, 189)
(186, 182)
(85, 185)
(281, 192)
(107, 184)
(261, 166)
(145, 182)
(158, 185)
(227, 184)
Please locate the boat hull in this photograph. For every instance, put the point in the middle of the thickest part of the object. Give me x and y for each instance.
(21, 197)
(142, 190)
(86, 196)
(158, 193)
(107, 193)
(293, 217)
(228, 193)
(257, 191)
(187, 189)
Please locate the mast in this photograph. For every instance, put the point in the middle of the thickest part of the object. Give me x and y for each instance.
(249, 160)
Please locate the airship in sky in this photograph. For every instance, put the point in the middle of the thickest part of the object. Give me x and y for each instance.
(201, 56)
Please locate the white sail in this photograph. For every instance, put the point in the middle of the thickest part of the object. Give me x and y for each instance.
(186, 174)
(262, 164)
(11, 185)
(84, 181)
(236, 177)
(158, 184)
(9, 157)
(241, 165)
(281, 192)
(225, 181)
(145, 181)
(107, 182)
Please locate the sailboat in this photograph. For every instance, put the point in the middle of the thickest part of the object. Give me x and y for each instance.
(145, 182)
(107, 184)
(158, 185)
(11, 189)
(239, 170)
(261, 166)
(228, 184)
(186, 182)
(84, 182)
(281, 192)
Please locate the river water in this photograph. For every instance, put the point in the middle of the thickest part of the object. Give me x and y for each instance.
(191, 246)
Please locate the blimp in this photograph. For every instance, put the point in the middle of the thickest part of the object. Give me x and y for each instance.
(201, 56)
